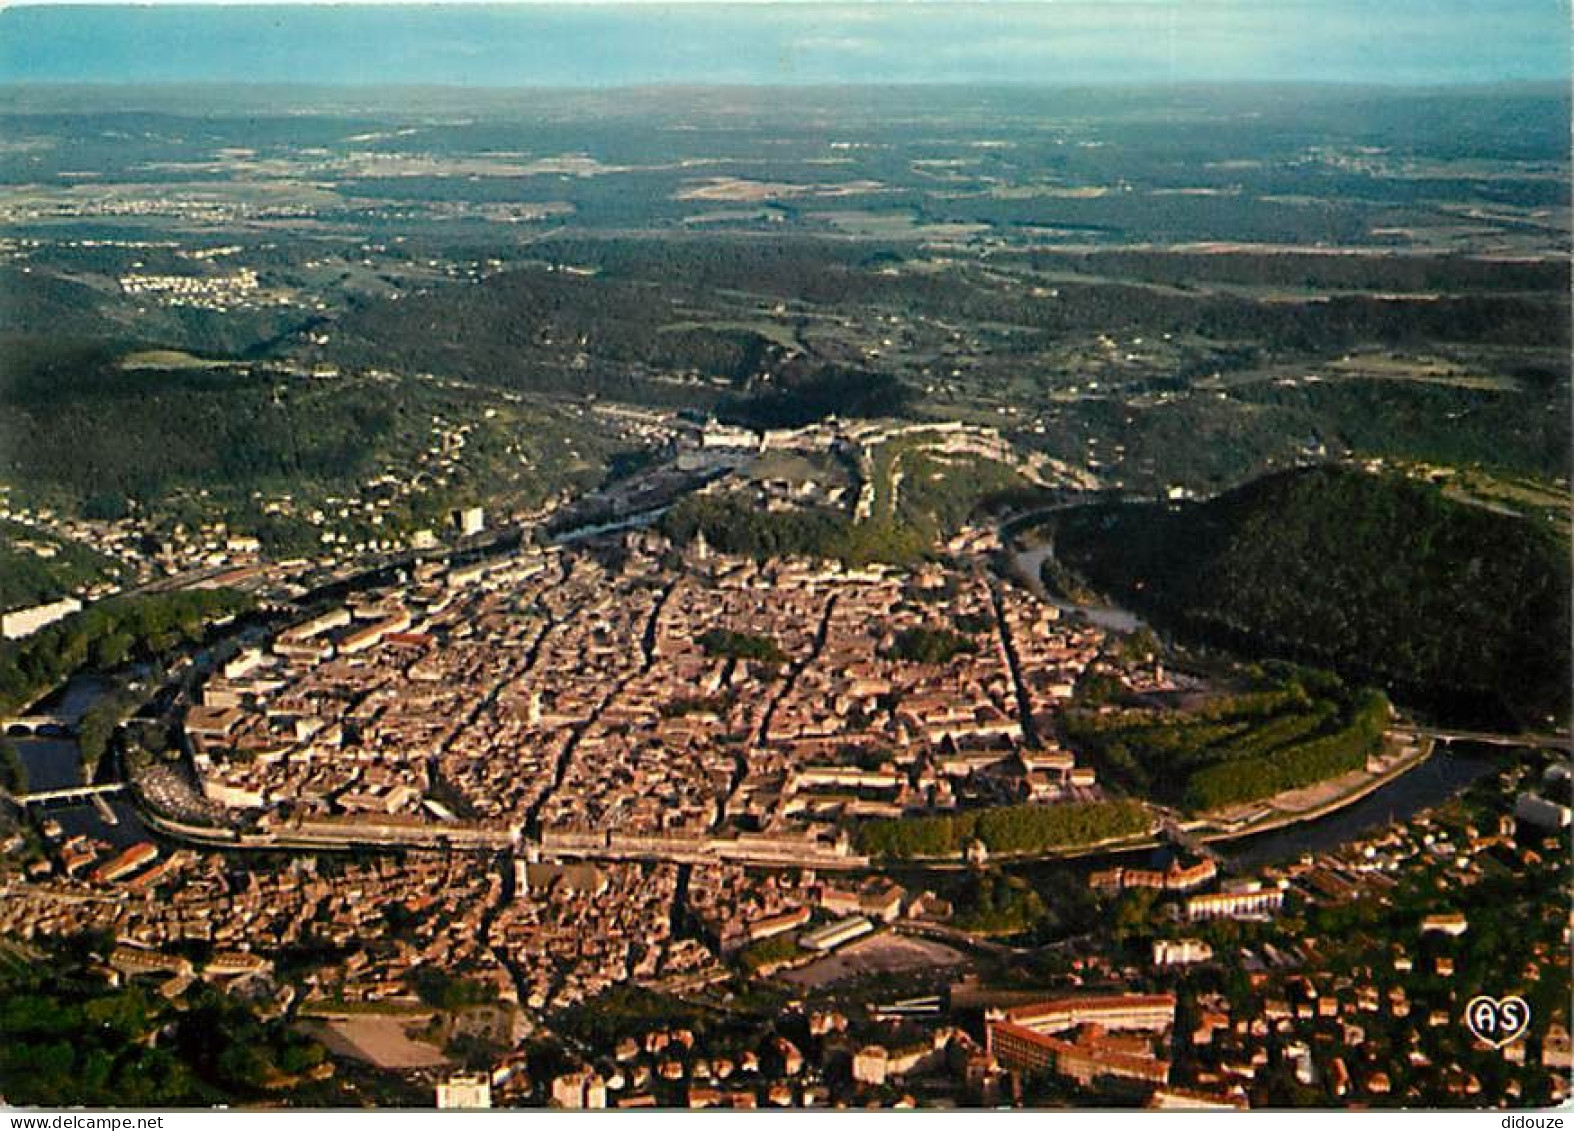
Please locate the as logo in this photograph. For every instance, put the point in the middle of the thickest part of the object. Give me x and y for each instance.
(1495, 1022)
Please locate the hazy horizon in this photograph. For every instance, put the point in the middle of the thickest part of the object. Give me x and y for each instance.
(606, 45)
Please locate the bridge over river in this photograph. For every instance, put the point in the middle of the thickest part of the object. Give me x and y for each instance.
(70, 793)
(1487, 738)
(40, 726)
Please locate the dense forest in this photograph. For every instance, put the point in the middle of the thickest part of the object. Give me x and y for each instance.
(826, 392)
(1451, 607)
(1449, 274)
(556, 332)
(229, 432)
(526, 328)
(77, 422)
(83, 432)
(1523, 430)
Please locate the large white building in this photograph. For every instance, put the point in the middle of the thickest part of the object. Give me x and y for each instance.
(1233, 905)
(715, 435)
(835, 934)
(1180, 952)
(24, 622)
(465, 1092)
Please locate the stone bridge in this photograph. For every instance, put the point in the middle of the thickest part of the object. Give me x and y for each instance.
(40, 726)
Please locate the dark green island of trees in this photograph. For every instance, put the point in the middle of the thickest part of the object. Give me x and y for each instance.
(733, 525)
(742, 646)
(1297, 728)
(930, 645)
(1008, 829)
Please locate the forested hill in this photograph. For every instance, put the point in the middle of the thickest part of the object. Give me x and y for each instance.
(1454, 608)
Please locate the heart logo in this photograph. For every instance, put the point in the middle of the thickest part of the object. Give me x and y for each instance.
(1495, 1022)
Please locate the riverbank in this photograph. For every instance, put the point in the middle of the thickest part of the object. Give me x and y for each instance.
(1362, 785)
(1026, 565)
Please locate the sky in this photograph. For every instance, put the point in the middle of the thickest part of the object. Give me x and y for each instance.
(602, 44)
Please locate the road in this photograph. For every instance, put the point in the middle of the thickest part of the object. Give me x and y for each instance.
(1024, 697)
(1492, 738)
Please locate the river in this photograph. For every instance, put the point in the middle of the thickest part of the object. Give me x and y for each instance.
(1444, 775)
(1027, 565)
(1441, 777)
(54, 763)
